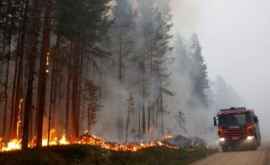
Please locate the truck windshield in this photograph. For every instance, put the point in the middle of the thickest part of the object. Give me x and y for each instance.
(233, 119)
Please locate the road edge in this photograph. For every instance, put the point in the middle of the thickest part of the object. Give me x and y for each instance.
(267, 158)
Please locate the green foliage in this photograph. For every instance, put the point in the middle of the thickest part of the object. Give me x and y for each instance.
(191, 64)
(199, 71)
(167, 92)
(87, 155)
(82, 18)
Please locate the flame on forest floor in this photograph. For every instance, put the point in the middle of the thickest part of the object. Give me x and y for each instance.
(15, 144)
(12, 145)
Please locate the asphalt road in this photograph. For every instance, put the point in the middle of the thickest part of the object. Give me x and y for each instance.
(259, 157)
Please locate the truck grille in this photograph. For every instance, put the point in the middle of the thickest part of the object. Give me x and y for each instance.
(231, 133)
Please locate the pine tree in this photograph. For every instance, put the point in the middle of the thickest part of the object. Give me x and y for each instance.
(88, 25)
(182, 56)
(199, 72)
(121, 34)
(155, 24)
(91, 98)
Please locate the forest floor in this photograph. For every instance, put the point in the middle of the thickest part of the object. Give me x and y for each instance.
(89, 155)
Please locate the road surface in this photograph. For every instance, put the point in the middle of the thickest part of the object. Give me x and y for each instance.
(260, 157)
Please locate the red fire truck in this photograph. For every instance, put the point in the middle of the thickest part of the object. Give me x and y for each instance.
(238, 128)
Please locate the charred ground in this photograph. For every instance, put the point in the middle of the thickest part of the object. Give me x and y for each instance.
(82, 154)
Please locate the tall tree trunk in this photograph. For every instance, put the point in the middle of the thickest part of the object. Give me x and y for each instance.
(17, 86)
(7, 57)
(67, 104)
(76, 89)
(69, 77)
(162, 112)
(89, 125)
(120, 60)
(148, 119)
(139, 123)
(127, 126)
(143, 98)
(52, 96)
(43, 74)
(12, 114)
(6, 87)
(35, 26)
(56, 78)
(143, 119)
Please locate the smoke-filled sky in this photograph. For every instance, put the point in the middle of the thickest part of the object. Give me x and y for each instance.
(235, 36)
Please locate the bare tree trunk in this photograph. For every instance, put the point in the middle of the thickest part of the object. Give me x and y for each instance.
(55, 89)
(28, 110)
(139, 122)
(17, 86)
(162, 117)
(52, 96)
(89, 119)
(143, 98)
(162, 112)
(42, 82)
(143, 120)
(120, 60)
(148, 119)
(76, 89)
(12, 114)
(67, 106)
(56, 80)
(68, 95)
(6, 87)
(7, 73)
(127, 126)
(50, 105)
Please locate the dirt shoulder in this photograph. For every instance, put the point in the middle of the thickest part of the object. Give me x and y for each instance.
(260, 157)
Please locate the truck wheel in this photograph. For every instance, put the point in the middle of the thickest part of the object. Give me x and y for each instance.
(256, 145)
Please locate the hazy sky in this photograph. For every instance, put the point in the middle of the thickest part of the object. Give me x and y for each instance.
(235, 36)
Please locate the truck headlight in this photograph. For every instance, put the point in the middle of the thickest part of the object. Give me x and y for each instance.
(250, 138)
(222, 139)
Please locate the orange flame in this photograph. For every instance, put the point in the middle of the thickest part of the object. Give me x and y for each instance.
(63, 140)
(15, 144)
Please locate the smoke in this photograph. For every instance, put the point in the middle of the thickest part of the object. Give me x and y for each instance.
(186, 15)
(198, 117)
(238, 37)
(112, 117)
(224, 95)
(196, 120)
(114, 108)
(196, 114)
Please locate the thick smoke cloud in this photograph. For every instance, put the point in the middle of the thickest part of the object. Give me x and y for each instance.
(234, 36)
(186, 15)
(188, 18)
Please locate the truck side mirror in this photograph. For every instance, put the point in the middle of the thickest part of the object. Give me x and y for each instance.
(256, 119)
(215, 121)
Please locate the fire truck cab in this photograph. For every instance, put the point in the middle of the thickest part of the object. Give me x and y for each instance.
(238, 128)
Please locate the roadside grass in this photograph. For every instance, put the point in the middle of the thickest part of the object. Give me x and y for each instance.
(89, 155)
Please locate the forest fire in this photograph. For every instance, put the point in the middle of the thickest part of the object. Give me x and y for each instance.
(56, 77)
(15, 144)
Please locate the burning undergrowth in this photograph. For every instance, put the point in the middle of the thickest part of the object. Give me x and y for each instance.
(86, 154)
(87, 139)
